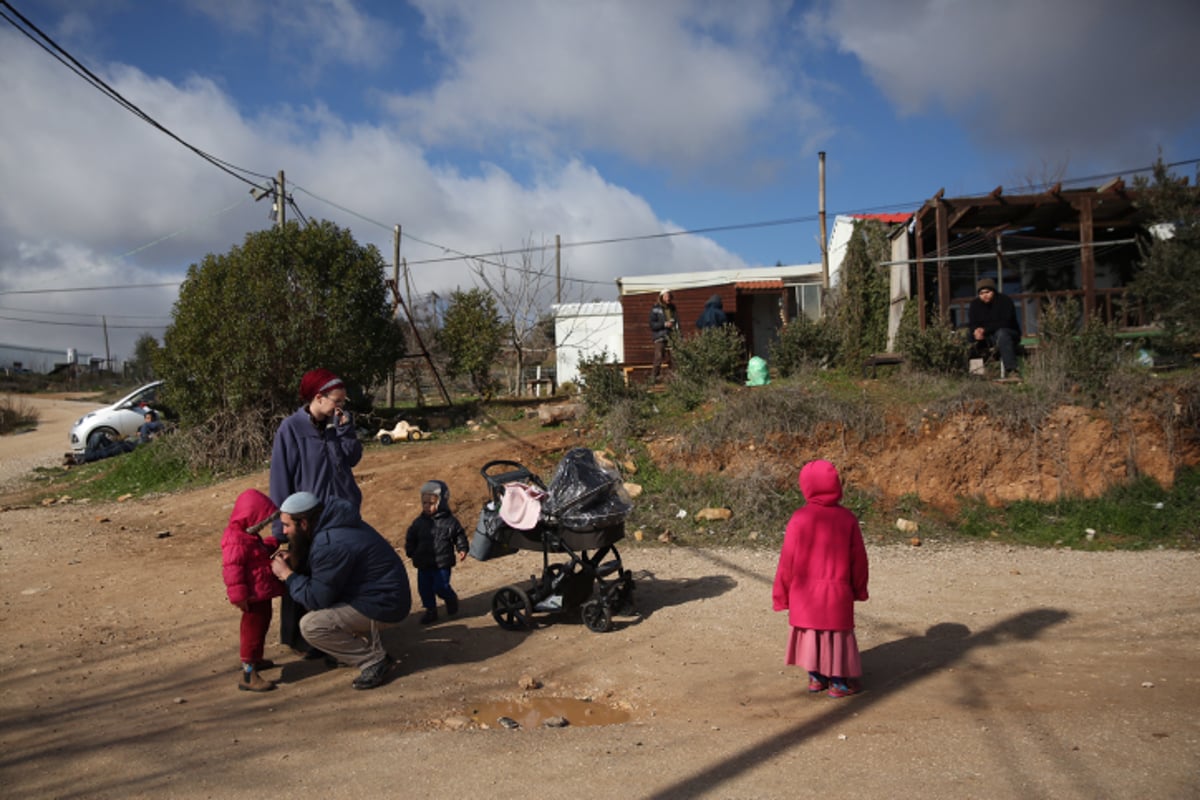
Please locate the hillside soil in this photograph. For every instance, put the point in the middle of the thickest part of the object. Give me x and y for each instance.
(991, 671)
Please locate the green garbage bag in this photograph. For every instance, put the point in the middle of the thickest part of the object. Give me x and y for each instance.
(756, 372)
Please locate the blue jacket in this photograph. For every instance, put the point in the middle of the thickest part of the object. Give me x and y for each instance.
(305, 458)
(713, 315)
(349, 562)
(431, 541)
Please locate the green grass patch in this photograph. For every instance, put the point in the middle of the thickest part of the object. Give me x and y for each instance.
(150, 469)
(1139, 516)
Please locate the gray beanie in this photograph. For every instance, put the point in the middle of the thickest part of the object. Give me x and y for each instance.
(432, 487)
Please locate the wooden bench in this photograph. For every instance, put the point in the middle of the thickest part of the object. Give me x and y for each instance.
(628, 370)
(876, 360)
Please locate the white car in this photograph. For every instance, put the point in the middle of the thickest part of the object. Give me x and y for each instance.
(117, 421)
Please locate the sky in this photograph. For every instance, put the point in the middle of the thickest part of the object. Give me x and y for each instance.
(650, 137)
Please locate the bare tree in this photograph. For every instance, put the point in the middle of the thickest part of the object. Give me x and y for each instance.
(524, 293)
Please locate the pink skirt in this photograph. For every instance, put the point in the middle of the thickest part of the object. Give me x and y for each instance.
(829, 653)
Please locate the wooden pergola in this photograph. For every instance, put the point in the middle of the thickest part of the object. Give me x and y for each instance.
(1083, 217)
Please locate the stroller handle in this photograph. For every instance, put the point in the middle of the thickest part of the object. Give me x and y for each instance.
(516, 473)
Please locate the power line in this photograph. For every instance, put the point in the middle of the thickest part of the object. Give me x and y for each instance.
(83, 314)
(85, 324)
(91, 288)
(65, 58)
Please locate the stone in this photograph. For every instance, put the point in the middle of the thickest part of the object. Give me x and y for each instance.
(528, 682)
(714, 514)
(634, 490)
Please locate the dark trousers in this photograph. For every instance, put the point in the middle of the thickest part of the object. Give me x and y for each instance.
(660, 353)
(1006, 341)
(290, 613)
(256, 621)
(433, 583)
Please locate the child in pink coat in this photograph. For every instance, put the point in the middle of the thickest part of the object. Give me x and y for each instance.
(822, 572)
(246, 567)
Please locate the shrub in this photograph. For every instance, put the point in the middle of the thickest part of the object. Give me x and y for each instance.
(715, 353)
(603, 383)
(937, 349)
(1074, 357)
(803, 343)
(16, 415)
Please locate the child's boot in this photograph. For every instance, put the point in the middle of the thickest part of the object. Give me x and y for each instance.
(429, 617)
(451, 605)
(252, 681)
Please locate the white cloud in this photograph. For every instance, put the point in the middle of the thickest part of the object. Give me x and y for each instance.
(86, 181)
(678, 83)
(1043, 78)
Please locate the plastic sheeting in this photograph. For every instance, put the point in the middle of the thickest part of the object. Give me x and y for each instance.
(583, 495)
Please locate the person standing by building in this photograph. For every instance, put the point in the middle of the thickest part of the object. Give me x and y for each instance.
(713, 315)
(664, 321)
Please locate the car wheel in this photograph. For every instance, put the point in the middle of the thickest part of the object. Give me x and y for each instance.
(414, 436)
(96, 438)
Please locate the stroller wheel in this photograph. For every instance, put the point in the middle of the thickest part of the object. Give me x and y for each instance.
(596, 616)
(512, 609)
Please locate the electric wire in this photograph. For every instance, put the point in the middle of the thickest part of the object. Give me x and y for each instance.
(96, 82)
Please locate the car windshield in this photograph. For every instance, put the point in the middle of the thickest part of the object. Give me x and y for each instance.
(147, 395)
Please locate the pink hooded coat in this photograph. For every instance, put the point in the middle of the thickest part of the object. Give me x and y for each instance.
(246, 558)
(823, 564)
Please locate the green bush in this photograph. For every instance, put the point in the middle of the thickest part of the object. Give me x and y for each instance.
(937, 349)
(803, 343)
(1075, 357)
(714, 353)
(604, 384)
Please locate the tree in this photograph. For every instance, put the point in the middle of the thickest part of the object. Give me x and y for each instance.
(522, 293)
(145, 352)
(248, 324)
(1168, 283)
(472, 335)
(860, 308)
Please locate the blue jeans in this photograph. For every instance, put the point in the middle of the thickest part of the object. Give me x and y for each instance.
(434, 583)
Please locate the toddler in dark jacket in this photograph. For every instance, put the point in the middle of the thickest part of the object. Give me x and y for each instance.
(435, 541)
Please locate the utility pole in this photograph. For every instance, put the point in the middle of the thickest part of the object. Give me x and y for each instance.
(280, 200)
(107, 355)
(821, 218)
(558, 269)
(391, 382)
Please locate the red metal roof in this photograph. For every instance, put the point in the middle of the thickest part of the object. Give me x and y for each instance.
(890, 219)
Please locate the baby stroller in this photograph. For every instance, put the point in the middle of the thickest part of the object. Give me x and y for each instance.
(582, 515)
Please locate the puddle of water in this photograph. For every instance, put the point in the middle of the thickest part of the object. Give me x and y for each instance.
(532, 713)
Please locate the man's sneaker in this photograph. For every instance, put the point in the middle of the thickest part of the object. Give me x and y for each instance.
(429, 617)
(451, 606)
(253, 682)
(374, 675)
(839, 689)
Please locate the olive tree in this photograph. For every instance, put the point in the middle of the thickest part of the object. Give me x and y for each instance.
(249, 323)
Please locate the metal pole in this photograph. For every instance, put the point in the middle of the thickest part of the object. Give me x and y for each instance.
(391, 380)
(558, 269)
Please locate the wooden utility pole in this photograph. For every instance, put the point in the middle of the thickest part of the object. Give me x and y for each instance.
(391, 381)
(557, 269)
(821, 218)
(280, 199)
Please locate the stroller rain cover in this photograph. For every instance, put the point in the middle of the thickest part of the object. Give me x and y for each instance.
(583, 495)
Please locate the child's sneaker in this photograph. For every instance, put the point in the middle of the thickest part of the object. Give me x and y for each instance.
(451, 606)
(817, 685)
(429, 617)
(840, 689)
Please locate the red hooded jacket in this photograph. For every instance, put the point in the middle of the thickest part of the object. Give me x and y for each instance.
(246, 558)
(823, 564)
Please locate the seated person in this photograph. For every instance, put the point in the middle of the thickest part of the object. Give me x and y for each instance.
(992, 322)
(150, 428)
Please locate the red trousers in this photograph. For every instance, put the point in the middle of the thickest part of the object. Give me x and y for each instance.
(256, 620)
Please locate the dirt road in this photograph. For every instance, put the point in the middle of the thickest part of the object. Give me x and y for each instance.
(992, 671)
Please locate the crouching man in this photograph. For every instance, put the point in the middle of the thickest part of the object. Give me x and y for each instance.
(356, 583)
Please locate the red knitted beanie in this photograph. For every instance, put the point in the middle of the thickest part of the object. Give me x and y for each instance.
(316, 381)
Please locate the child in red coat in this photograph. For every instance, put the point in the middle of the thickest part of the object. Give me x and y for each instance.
(822, 572)
(246, 560)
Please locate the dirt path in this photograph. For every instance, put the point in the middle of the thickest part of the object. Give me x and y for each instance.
(992, 671)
